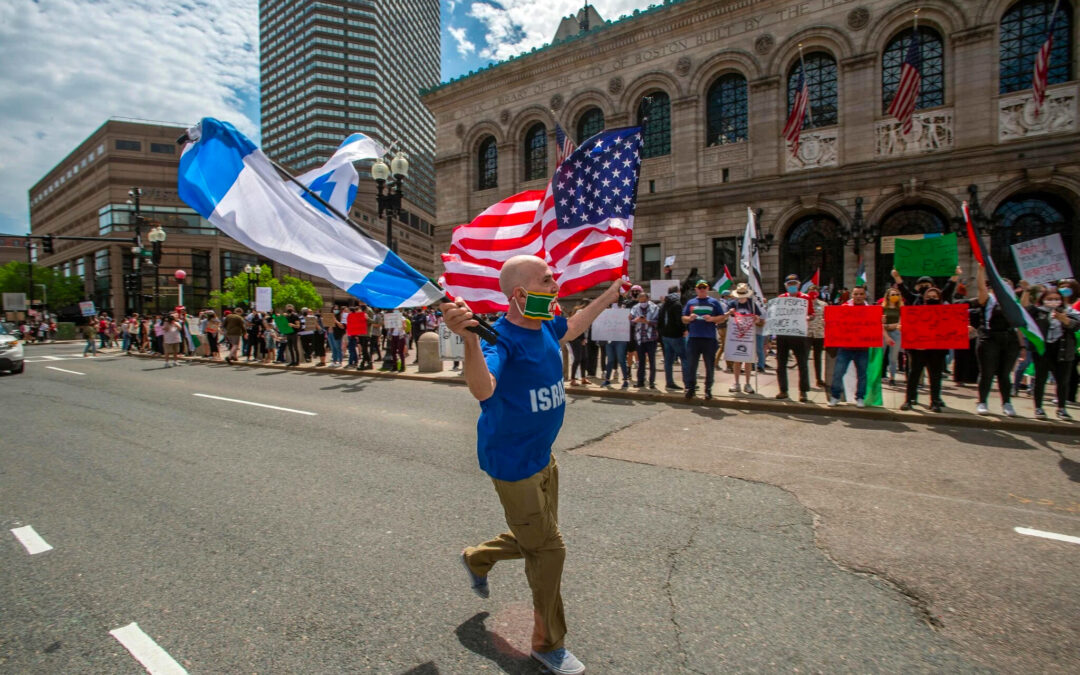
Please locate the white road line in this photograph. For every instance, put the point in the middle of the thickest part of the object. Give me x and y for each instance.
(1047, 535)
(261, 405)
(73, 372)
(31, 540)
(147, 652)
(52, 358)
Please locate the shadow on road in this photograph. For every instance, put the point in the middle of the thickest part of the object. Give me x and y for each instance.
(475, 637)
(986, 437)
(428, 668)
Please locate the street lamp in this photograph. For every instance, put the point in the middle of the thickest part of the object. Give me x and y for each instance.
(157, 238)
(860, 231)
(390, 203)
(252, 282)
(134, 195)
(762, 243)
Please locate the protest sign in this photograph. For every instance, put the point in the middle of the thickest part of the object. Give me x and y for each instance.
(786, 316)
(451, 345)
(15, 302)
(1042, 260)
(658, 288)
(612, 325)
(934, 326)
(282, 323)
(931, 256)
(741, 343)
(264, 299)
(328, 320)
(853, 326)
(393, 320)
(669, 261)
(87, 308)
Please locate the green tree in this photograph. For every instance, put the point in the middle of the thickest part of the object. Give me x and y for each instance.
(286, 291)
(61, 291)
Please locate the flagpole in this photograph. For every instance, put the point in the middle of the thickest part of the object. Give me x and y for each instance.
(806, 81)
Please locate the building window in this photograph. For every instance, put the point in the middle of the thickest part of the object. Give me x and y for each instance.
(589, 124)
(656, 129)
(725, 109)
(813, 243)
(232, 263)
(163, 148)
(725, 251)
(536, 152)
(1030, 216)
(488, 164)
(904, 220)
(1023, 32)
(931, 70)
(821, 81)
(128, 145)
(650, 262)
(102, 296)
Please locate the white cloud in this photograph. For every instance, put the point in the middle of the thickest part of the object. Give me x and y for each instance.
(516, 26)
(465, 46)
(68, 65)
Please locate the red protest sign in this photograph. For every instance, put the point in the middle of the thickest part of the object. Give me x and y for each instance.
(854, 326)
(934, 327)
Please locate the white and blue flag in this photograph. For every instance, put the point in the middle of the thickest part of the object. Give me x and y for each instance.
(232, 184)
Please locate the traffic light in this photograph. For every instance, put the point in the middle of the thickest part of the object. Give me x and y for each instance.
(131, 283)
(47, 244)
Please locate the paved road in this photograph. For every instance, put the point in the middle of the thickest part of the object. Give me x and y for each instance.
(253, 539)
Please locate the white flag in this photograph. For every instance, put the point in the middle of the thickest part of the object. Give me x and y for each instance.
(750, 262)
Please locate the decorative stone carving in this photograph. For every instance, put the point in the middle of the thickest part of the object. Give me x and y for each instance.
(682, 66)
(556, 102)
(1017, 119)
(615, 85)
(858, 18)
(930, 132)
(816, 149)
(764, 44)
(504, 116)
(459, 131)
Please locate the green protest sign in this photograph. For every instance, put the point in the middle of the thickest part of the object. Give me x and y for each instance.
(930, 256)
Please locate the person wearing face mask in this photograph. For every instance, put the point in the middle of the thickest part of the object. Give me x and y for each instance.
(848, 355)
(1058, 323)
(890, 317)
(701, 314)
(793, 344)
(643, 320)
(1070, 295)
(997, 347)
(815, 332)
(742, 304)
(932, 360)
(519, 383)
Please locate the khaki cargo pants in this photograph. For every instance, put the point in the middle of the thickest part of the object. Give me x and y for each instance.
(531, 506)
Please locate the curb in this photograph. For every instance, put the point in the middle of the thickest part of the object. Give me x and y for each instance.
(994, 423)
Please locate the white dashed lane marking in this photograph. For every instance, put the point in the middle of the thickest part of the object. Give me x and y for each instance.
(31, 540)
(62, 370)
(147, 652)
(261, 405)
(1047, 535)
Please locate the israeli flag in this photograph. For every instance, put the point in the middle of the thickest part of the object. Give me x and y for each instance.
(232, 184)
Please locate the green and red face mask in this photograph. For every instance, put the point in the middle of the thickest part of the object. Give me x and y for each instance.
(538, 306)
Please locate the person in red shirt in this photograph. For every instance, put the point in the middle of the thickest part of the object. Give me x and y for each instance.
(793, 344)
(356, 329)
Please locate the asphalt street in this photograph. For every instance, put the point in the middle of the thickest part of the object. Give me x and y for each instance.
(320, 535)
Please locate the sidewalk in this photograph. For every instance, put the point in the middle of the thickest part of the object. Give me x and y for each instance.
(960, 400)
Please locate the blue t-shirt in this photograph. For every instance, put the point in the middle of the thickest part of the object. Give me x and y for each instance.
(699, 328)
(519, 422)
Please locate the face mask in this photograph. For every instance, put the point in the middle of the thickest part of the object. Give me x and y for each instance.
(644, 302)
(1053, 304)
(539, 306)
(813, 295)
(792, 288)
(1065, 292)
(932, 301)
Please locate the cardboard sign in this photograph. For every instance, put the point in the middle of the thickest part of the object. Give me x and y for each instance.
(1042, 260)
(741, 343)
(786, 316)
(328, 320)
(659, 288)
(934, 326)
(264, 299)
(451, 345)
(15, 302)
(853, 326)
(613, 325)
(87, 308)
(392, 320)
(930, 256)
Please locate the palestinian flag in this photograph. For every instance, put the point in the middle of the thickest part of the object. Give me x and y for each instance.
(875, 369)
(814, 281)
(1017, 316)
(860, 276)
(724, 283)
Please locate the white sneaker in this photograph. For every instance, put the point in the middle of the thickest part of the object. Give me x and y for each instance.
(833, 402)
(734, 389)
(982, 409)
(748, 389)
(1008, 410)
(859, 403)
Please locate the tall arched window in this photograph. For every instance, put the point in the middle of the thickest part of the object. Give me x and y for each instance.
(1030, 216)
(656, 130)
(821, 80)
(1023, 32)
(488, 165)
(725, 110)
(589, 124)
(931, 69)
(811, 244)
(536, 152)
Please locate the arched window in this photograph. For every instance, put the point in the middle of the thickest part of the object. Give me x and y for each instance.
(931, 67)
(725, 110)
(656, 130)
(814, 243)
(488, 165)
(1030, 216)
(1023, 32)
(536, 152)
(589, 124)
(904, 220)
(821, 80)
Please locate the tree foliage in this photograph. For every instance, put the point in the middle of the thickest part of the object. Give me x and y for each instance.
(61, 291)
(286, 291)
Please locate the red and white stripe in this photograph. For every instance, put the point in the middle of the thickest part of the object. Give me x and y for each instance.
(793, 128)
(903, 103)
(1042, 71)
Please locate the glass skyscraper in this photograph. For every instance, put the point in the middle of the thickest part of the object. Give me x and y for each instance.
(329, 68)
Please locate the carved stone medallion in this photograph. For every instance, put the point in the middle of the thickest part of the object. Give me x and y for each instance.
(459, 131)
(682, 66)
(556, 102)
(764, 44)
(504, 116)
(615, 85)
(858, 18)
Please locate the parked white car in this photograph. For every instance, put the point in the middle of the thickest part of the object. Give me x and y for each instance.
(11, 351)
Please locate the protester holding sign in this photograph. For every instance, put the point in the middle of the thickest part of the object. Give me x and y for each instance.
(743, 316)
(933, 360)
(1059, 324)
(815, 332)
(643, 319)
(891, 305)
(846, 355)
(934, 256)
(701, 316)
(996, 349)
(793, 344)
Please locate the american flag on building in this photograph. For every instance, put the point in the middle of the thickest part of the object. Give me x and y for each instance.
(794, 125)
(563, 145)
(1042, 64)
(907, 92)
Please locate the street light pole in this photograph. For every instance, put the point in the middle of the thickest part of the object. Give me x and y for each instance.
(157, 238)
(390, 202)
(135, 193)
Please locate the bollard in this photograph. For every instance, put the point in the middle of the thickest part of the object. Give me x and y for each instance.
(427, 353)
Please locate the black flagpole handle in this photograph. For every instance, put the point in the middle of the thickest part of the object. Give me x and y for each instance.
(484, 330)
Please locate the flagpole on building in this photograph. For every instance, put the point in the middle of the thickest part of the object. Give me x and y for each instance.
(806, 81)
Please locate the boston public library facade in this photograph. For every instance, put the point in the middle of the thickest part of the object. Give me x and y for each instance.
(720, 77)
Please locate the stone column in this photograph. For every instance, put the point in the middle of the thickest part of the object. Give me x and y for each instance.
(859, 105)
(765, 126)
(975, 84)
(685, 148)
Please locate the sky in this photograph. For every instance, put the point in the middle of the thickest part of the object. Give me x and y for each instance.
(66, 66)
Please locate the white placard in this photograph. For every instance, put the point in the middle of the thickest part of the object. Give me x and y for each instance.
(393, 320)
(741, 342)
(87, 308)
(658, 288)
(786, 316)
(264, 299)
(14, 302)
(1042, 260)
(669, 261)
(612, 325)
(451, 345)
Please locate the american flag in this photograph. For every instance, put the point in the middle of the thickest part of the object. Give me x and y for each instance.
(798, 111)
(907, 93)
(479, 249)
(1042, 64)
(587, 216)
(564, 146)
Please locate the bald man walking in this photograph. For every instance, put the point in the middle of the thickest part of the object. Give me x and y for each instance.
(519, 384)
